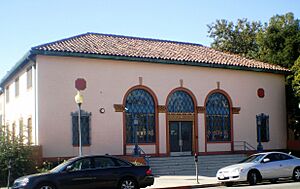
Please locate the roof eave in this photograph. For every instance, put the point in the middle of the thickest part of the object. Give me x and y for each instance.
(156, 60)
(28, 57)
(16, 68)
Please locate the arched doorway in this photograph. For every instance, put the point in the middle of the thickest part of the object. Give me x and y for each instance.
(181, 124)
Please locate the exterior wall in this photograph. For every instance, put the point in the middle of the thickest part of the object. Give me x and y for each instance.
(108, 81)
(19, 107)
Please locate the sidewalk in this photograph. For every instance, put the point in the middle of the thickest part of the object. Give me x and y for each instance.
(183, 182)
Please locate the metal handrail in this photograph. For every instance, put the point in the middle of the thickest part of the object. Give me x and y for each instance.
(246, 146)
(146, 156)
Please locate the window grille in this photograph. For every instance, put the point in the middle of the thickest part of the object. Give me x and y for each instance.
(218, 120)
(180, 102)
(140, 117)
(263, 132)
(85, 128)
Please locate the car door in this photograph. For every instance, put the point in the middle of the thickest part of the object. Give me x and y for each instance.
(270, 166)
(106, 172)
(77, 175)
(286, 164)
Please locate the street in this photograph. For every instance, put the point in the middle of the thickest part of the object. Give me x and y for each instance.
(266, 185)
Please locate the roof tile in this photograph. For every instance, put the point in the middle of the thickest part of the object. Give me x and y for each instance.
(114, 45)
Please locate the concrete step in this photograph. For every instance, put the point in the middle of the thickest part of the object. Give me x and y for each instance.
(185, 165)
(191, 162)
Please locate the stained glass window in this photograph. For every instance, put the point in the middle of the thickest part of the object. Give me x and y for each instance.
(218, 118)
(140, 117)
(180, 102)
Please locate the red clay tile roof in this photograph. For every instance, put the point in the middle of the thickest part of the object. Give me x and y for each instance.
(142, 48)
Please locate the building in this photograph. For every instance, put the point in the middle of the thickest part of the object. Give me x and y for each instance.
(171, 98)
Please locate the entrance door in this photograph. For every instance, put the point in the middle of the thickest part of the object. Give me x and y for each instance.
(181, 133)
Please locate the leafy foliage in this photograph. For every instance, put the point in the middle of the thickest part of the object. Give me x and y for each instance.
(238, 39)
(279, 41)
(276, 42)
(296, 77)
(12, 149)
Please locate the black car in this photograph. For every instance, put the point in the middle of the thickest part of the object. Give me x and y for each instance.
(90, 172)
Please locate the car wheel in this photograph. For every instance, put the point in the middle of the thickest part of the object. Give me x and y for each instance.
(252, 177)
(228, 184)
(296, 174)
(45, 186)
(128, 183)
(273, 181)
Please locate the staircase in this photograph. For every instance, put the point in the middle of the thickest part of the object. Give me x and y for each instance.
(185, 165)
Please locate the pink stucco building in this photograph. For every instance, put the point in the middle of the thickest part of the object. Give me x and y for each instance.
(171, 98)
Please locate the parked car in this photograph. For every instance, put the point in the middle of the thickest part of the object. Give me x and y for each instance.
(89, 172)
(262, 166)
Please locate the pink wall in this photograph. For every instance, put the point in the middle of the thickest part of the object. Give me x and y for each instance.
(108, 81)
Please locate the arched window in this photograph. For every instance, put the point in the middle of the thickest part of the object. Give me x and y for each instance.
(140, 117)
(180, 102)
(218, 124)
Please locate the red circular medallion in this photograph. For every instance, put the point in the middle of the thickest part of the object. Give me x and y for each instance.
(261, 93)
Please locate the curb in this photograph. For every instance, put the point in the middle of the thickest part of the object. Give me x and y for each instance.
(191, 186)
(178, 187)
(207, 185)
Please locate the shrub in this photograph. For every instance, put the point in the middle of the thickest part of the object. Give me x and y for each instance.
(13, 150)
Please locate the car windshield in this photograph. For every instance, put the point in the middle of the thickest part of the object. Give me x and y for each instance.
(253, 159)
(61, 166)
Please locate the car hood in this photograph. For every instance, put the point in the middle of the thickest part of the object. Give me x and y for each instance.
(240, 165)
(33, 175)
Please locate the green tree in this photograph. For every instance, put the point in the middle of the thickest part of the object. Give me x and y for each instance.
(296, 77)
(279, 40)
(239, 38)
(12, 149)
(276, 42)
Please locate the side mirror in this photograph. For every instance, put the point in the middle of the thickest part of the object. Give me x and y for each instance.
(69, 168)
(266, 160)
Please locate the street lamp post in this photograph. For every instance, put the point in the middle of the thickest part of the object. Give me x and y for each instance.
(259, 127)
(136, 146)
(79, 101)
(136, 150)
(259, 145)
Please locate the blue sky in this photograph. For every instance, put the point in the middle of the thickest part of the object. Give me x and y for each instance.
(27, 23)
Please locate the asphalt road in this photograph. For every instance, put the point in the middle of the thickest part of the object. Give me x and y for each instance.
(266, 185)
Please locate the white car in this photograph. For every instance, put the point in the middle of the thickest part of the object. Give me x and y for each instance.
(261, 166)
